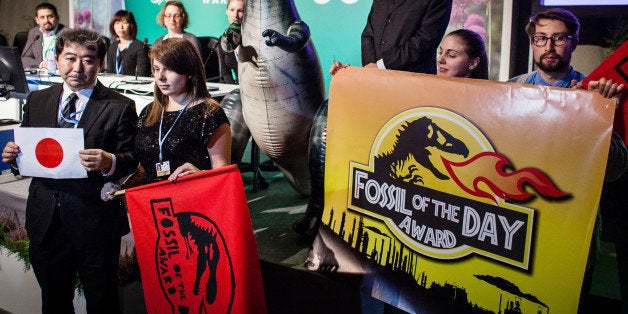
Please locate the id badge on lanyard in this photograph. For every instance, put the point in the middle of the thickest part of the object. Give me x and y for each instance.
(162, 168)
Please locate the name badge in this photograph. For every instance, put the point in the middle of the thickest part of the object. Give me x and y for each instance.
(162, 168)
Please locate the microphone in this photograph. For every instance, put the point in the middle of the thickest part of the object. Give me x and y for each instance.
(213, 44)
(32, 42)
(137, 80)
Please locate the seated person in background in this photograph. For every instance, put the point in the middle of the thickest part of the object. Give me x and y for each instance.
(229, 63)
(126, 55)
(462, 54)
(41, 39)
(175, 19)
(183, 130)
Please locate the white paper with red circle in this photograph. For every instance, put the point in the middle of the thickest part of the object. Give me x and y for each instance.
(50, 152)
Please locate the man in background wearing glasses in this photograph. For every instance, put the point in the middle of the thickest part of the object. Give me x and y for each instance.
(554, 35)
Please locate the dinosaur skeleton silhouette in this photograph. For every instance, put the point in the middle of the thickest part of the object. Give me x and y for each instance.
(208, 256)
(413, 140)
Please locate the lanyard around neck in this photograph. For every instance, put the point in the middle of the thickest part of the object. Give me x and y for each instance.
(162, 140)
(73, 116)
(118, 59)
(51, 44)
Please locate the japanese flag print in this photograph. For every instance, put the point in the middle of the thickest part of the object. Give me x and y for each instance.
(50, 152)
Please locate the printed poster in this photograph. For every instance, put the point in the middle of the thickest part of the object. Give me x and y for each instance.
(94, 14)
(450, 195)
(50, 152)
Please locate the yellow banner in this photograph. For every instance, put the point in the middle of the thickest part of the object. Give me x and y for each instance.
(441, 189)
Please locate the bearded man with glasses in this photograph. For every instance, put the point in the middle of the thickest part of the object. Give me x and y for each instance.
(554, 35)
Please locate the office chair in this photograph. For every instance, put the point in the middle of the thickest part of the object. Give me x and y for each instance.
(107, 42)
(210, 58)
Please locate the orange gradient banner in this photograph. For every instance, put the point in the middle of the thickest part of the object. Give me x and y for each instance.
(459, 195)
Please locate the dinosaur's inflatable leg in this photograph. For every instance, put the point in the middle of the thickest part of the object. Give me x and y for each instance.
(308, 225)
(240, 134)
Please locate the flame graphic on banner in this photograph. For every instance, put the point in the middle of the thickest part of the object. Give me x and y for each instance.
(508, 186)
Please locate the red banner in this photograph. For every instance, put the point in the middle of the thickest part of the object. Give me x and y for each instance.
(195, 245)
(615, 68)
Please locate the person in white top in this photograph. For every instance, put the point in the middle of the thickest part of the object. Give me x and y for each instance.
(175, 19)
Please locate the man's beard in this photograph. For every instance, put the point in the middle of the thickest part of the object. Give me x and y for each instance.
(560, 65)
(48, 27)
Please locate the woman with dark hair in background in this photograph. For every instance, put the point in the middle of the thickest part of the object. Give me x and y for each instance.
(183, 130)
(463, 54)
(126, 55)
(175, 19)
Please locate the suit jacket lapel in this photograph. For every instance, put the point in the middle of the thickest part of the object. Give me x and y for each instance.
(51, 107)
(396, 5)
(38, 47)
(94, 108)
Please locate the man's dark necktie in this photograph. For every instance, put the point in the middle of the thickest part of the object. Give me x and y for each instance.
(67, 111)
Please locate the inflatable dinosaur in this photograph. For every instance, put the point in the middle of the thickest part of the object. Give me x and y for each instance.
(281, 83)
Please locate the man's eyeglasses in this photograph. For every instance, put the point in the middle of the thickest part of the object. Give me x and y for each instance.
(558, 40)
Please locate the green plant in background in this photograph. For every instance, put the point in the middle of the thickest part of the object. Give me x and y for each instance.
(617, 36)
(13, 238)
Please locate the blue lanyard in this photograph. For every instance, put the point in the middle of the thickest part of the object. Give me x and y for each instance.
(118, 63)
(162, 140)
(72, 119)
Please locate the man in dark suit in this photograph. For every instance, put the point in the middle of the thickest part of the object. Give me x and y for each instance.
(404, 34)
(71, 229)
(41, 39)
